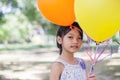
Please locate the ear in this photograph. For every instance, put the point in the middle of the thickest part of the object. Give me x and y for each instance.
(59, 39)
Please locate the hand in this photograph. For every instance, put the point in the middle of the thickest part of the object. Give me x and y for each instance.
(92, 77)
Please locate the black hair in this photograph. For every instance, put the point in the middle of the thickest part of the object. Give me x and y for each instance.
(63, 30)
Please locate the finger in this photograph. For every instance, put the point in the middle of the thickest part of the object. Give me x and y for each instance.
(92, 75)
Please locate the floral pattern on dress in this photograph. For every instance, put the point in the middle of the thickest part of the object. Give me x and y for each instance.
(73, 72)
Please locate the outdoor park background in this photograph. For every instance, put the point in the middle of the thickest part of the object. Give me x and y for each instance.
(28, 45)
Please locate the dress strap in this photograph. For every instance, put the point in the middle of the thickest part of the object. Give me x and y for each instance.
(81, 63)
(61, 61)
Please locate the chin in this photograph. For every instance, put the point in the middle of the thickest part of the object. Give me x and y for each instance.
(73, 51)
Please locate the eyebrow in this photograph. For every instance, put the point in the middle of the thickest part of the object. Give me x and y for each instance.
(72, 34)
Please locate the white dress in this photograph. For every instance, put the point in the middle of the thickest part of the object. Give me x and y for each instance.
(73, 72)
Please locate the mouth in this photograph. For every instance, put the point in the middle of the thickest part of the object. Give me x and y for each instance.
(74, 47)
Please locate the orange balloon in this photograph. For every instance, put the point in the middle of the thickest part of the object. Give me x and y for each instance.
(60, 12)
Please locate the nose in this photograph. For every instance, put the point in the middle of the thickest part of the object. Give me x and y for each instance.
(75, 40)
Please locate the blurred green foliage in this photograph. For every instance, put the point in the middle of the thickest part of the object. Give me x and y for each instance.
(18, 17)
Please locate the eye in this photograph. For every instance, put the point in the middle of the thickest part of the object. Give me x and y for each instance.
(79, 38)
(70, 37)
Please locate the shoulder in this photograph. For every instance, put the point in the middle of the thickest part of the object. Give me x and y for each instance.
(56, 70)
(57, 66)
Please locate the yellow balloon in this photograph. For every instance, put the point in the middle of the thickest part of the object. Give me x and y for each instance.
(99, 19)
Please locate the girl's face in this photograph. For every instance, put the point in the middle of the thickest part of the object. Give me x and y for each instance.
(71, 42)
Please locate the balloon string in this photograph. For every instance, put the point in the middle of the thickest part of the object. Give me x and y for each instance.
(96, 52)
(91, 60)
(91, 69)
(101, 52)
(88, 40)
(92, 66)
(110, 54)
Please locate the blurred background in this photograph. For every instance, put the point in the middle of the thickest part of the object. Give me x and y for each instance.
(28, 45)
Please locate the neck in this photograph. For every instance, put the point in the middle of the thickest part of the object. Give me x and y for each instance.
(67, 56)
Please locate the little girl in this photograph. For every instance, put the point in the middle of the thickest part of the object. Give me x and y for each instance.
(68, 67)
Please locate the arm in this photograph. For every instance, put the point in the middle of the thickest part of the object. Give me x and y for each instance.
(56, 71)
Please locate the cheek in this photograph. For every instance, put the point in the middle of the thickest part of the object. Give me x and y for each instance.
(66, 42)
(80, 42)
